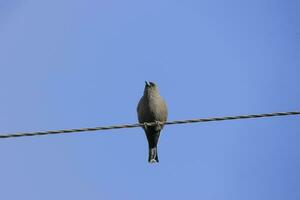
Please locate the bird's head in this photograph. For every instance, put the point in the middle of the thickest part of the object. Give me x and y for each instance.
(150, 87)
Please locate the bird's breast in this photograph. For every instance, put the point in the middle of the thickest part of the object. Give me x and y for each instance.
(156, 109)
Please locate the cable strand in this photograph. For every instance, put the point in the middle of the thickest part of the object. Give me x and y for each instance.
(99, 128)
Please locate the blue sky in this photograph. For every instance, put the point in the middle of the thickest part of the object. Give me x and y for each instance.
(72, 64)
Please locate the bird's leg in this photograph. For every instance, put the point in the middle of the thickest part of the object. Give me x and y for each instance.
(145, 125)
(158, 124)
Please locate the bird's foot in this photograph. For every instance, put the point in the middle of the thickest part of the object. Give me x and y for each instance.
(158, 123)
(145, 125)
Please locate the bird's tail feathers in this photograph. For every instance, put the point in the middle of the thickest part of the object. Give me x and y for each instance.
(153, 157)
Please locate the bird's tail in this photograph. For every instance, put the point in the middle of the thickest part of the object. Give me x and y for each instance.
(153, 157)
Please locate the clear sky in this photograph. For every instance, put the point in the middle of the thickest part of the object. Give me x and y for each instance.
(72, 64)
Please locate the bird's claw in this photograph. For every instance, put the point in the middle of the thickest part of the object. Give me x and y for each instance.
(158, 123)
(145, 125)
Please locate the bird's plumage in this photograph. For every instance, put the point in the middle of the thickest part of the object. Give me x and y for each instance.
(152, 108)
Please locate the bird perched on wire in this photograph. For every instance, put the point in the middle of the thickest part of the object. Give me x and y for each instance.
(152, 108)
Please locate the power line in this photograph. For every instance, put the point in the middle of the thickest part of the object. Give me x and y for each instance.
(101, 128)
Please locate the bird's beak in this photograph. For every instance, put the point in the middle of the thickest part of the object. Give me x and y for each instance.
(147, 83)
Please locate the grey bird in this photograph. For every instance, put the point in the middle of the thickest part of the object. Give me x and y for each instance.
(152, 108)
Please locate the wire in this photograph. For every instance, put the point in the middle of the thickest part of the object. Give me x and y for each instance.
(101, 128)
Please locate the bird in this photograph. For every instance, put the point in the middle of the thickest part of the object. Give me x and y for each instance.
(152, 108)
